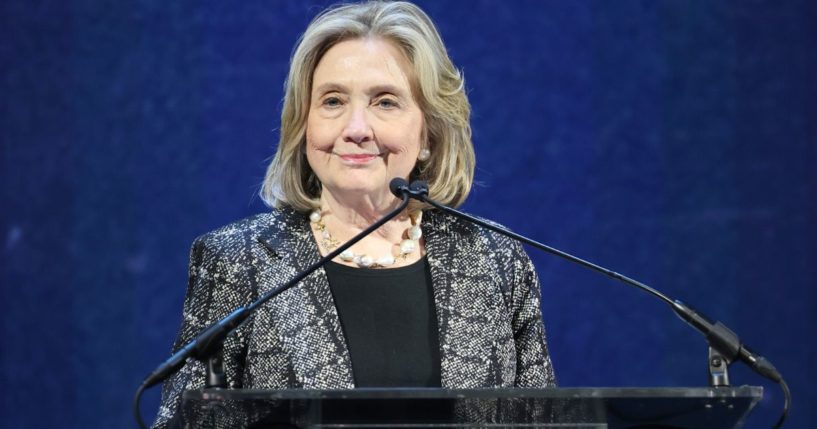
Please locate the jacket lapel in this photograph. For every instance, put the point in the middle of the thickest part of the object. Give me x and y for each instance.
(462, 317)
(304, 317)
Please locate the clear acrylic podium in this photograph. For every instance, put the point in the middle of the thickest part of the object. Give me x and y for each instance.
(676, 407)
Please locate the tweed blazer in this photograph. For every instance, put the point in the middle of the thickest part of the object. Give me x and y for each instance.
(486, 296)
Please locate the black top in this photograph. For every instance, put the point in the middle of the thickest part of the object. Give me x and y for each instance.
(389, 322)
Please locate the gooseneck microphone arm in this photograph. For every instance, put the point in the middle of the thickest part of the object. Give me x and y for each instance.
(210, 340)
(725, 346)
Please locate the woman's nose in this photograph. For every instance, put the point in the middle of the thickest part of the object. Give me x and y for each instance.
(358, 129)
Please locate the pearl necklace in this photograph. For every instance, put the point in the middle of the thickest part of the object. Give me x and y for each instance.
(407, 246)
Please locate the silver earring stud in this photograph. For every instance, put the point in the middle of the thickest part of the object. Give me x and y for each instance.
(424, 155)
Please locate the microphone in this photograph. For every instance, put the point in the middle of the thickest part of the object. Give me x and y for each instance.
(209, 341)
(720, 338)
(399, 187)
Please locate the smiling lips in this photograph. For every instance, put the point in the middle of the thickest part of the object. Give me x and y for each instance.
(360, 158)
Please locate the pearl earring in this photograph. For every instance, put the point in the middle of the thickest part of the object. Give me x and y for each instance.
(424, 155)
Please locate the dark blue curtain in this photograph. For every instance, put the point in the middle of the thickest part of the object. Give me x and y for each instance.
(673, 141)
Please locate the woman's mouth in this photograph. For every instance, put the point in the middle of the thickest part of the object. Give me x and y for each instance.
(358, 158)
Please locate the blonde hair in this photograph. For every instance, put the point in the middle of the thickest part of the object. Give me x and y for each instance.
(438, 87)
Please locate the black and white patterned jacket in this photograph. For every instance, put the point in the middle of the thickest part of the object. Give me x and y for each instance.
(486, 294)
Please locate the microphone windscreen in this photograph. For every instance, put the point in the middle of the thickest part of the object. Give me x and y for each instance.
(397, 186)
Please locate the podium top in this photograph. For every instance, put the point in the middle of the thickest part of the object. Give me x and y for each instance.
(581, 407)
(423, 392)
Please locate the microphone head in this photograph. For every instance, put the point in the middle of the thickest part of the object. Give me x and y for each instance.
(398, 186)
(419, 187)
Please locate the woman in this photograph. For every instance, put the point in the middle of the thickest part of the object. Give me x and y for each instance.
(426, 300)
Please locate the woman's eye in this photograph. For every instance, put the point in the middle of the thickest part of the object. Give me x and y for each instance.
(331, 102)
(387, 103)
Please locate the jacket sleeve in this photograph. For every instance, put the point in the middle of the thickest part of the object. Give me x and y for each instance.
(215, 288)
(533, 365)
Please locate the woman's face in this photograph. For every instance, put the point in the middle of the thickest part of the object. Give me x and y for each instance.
(364, 126)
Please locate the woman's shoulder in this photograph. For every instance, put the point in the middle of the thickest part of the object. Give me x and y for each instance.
(462, 229)
(250, 229)
(459, 238)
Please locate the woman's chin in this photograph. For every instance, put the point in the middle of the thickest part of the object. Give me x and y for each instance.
(362, 189)
(355, 190)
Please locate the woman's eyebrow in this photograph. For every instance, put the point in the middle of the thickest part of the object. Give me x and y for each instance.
(386, 88)
(330, 87)
(371, 91)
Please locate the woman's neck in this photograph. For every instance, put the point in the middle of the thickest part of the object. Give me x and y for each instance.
(359, 212)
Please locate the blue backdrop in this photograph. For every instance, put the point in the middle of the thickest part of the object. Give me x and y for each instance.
(673, 141)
